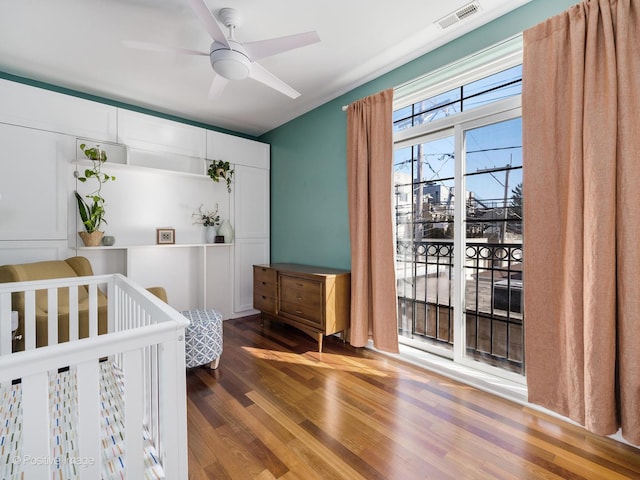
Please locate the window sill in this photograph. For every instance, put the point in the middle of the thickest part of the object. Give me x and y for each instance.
(483, 381)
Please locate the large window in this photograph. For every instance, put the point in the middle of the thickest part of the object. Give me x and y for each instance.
(458, 196)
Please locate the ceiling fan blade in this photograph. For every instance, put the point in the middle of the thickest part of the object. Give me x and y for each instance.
(209, 21)
(217, 85)
(262, 75)
(154, 47)
(273, 46)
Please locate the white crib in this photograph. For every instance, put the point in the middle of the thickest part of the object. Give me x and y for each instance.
(143, 356)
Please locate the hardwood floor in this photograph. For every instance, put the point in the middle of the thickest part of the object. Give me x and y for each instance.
(276, 408)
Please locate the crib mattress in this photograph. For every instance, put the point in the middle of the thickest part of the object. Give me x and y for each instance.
(63, 416)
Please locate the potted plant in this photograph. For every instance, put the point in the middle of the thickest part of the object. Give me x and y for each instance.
(208, 219)
(92, 212)
(221, 169)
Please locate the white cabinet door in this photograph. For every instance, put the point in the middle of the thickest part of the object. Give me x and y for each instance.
(251, 202)
(36, 177)
(218, 279)
(248, 252)
(33, 107)
(15, 252)
(237, 150)
(251, 211)
(177, 269)
(147, 132)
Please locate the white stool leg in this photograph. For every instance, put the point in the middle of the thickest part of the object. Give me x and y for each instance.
(213, 365)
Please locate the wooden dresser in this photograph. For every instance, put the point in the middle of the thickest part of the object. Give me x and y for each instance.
(315, 300)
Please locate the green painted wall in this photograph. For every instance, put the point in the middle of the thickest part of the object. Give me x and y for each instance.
(309, 218)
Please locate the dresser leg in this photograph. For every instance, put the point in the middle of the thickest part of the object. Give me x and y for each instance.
(320, 338)
(345, 335)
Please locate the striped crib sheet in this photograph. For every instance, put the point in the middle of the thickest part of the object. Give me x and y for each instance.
(63, 417)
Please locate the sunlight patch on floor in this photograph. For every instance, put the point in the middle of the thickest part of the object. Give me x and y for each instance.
(380, 368)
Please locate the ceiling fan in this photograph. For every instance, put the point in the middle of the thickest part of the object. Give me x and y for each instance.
(232, 60)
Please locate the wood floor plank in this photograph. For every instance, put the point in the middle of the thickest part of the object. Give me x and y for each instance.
(278, 409)
(331, 460)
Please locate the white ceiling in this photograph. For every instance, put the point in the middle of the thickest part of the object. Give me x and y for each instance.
(77, 44)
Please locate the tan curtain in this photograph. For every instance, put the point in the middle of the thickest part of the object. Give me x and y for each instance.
(369, 173)
(581, 139)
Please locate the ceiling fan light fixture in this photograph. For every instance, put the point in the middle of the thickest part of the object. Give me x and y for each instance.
(232, 60)
(230, 64)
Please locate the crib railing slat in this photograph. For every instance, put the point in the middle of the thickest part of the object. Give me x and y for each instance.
(74, 325)
(30, 320)
(89, 420)
(35, 427)
(52, 322)
(5, 324)
(93, 310)
(133, 414)
(113, 303)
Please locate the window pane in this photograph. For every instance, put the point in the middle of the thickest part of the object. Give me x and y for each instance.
(402, 113)
(439, 106)
(403, 118)
(493, 81)
(436, 160)
(402, 179)
(424, 223)
(495, 146)
(475, 94)
(493, 88)
(493, 245)
(403, 166)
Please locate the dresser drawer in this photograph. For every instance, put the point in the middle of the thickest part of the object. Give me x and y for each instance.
(304, 314)
(301, 298)
(265, 303)
(264, 275)
(269, 290)
(300, 291)
(265, 290)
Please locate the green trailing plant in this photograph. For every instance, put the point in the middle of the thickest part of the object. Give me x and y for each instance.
(221, 169)
(92, 212)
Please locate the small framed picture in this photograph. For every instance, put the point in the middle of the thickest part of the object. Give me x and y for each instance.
(165, 236)
(219, 239)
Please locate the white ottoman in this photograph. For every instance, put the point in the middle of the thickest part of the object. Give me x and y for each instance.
(203, 338)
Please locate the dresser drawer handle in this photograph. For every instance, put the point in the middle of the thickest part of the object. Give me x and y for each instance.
(298, 312)
(298, 298)
(263, 283)
(299, 284)
(263, 297)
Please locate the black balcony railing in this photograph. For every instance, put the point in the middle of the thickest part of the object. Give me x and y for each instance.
(493, 298)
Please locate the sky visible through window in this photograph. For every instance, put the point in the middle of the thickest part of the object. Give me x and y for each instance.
(490, 150)
(490, 89)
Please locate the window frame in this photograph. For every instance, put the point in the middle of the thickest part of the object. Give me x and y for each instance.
(460, 73)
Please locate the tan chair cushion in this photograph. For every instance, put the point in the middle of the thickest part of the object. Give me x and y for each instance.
(71, 267)
(47, 270)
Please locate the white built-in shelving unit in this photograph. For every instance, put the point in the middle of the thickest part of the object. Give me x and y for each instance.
(160, 168)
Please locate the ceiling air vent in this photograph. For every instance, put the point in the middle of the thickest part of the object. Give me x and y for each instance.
(458, 15)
